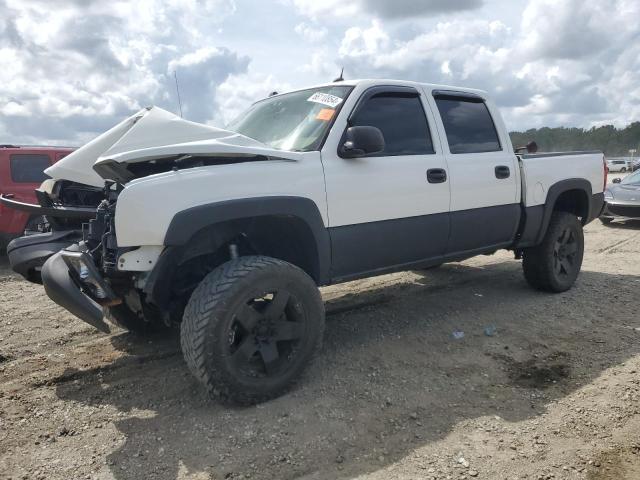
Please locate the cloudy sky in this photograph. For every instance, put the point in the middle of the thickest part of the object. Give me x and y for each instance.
(73, 68)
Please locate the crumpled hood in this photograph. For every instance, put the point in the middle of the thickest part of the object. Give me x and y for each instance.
(154, 133)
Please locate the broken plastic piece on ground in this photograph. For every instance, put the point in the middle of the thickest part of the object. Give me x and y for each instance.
(490, 330)
(458, 334)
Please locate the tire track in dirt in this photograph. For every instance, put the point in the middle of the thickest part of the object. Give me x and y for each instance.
(612, 248)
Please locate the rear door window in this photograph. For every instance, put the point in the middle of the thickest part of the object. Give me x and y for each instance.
(29, 168)
(402, 121)
(468, 125)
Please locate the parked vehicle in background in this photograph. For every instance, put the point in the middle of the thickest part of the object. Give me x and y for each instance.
(635, 165)
(622, 198)
(618, 165)
(21, 172)
(228, 233)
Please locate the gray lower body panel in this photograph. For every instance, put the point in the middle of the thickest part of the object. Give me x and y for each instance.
(482, 227)
(367, 247)
(373, 248)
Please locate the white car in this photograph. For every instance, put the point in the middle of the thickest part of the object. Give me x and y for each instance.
(619, 166)
(228, 233)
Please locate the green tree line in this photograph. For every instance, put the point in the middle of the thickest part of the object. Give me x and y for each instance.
(612, 141)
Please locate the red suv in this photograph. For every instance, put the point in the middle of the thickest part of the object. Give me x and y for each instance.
(21, 172)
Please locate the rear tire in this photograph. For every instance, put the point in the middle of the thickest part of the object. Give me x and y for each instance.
(251, 327)
(554, 265)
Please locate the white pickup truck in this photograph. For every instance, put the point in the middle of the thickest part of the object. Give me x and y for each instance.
(230, 232)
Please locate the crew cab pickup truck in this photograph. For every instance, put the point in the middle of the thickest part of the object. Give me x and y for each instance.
(228, 233)
(21, 172)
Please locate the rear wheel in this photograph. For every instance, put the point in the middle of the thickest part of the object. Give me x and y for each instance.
(554, 265)
(623, 169)
(251, 327)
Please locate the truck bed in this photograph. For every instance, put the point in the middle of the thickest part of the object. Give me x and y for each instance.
(539, 171)
(549, 178)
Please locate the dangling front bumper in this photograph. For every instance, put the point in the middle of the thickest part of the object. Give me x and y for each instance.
(72, 280)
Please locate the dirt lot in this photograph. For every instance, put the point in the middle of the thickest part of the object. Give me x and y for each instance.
(552, 393)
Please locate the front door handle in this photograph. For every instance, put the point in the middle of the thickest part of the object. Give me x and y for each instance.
(502, 171)
(436, 175)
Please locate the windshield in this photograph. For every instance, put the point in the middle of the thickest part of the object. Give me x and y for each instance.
(633, 179)
(296, 121)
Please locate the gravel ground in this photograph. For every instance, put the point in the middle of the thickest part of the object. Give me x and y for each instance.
(552, 392)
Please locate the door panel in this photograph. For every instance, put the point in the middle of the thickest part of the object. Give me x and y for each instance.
(382, 209)
(483, 227)
(483, 173)
(366, 247)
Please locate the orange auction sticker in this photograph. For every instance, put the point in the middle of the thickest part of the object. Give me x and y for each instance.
(325, 114)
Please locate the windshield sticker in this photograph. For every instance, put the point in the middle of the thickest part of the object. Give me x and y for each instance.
(325, 99)
(325, 114)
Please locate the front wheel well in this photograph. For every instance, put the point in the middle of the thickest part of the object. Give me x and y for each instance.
(284, 237)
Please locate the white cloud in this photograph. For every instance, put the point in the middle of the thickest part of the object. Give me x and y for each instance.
(311, 33)
(321, 64)
(238, 92)
(459, 49)
(80, 70)
(15, 109)
(326, 9)
(562, 64)
(77, 67)
(364, 42)
(574, 29)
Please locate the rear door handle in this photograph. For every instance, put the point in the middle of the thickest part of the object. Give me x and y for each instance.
(502, 171)
(436, 175)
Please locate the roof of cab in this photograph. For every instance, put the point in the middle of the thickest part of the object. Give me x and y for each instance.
(387, 81)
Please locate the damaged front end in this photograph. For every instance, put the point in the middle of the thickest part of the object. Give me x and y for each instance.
(84, 278)
(74, 277)
(90, 272)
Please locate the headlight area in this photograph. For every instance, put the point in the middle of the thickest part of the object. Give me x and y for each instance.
(93, 262)
(112, 276)
(88, 277)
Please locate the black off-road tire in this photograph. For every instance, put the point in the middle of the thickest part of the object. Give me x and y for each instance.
(213, 334)
(540, 263)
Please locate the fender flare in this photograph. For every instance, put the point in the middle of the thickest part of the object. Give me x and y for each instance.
(189, 222)
(554, 192)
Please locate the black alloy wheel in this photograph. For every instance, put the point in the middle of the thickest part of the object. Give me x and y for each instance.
(565, 251)
(554, 264)
(264, 334)
(251, 327)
